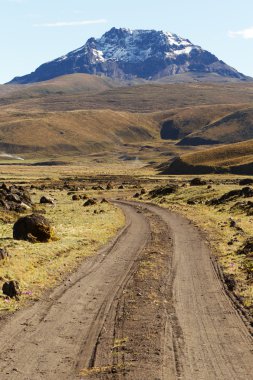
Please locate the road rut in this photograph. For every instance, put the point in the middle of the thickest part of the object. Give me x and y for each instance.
(190, 328)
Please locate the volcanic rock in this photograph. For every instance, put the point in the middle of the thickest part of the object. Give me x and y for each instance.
(33, 228)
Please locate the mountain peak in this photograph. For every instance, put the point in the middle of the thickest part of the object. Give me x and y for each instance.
(127, 54)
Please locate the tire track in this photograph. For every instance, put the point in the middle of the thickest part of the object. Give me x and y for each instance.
(217, 344)
(150, 304)
(60, 334)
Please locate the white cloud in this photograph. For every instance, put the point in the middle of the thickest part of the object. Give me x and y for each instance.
(61, 24)
(245, 33)
(17, 1)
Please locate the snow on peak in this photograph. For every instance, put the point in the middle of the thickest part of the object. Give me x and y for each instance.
(175, 40)
(125, 53)
(137, 45)
(98, 55)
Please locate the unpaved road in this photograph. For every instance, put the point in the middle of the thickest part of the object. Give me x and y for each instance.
(149, 305)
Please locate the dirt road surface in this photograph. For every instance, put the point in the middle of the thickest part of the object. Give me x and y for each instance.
(149, 305)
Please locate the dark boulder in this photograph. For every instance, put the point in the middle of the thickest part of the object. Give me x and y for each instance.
(245, 192)
(13, 198)
(109, 186)
(44, 200)
(25, 197)
(20, 208)
(4, 186)
(11, 289)
(191, 202)
(246, 182)
(164, 190)
(76, 197)
(90, 202)
(197, 182)
(246, 207)
(33, 228)
(98, 187)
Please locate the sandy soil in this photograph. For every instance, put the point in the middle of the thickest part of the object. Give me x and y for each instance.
(149, 305)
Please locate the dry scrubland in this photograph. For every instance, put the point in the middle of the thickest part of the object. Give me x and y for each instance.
(80, 232)
(227, 226)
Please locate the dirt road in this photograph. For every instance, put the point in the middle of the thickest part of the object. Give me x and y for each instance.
(148, 305)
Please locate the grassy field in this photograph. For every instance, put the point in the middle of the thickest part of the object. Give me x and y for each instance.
(80, 232)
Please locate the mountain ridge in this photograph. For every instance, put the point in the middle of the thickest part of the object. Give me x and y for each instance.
(129, 54)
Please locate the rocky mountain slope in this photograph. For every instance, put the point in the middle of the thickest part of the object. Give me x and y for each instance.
(131, 54)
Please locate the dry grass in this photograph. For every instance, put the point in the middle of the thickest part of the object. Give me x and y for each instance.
(226, 155)
(80, 114)
(73, 132)
(41, 266)
(234, 127)
(192, 118)
(105, 370)
(141, 98)
(66, 84)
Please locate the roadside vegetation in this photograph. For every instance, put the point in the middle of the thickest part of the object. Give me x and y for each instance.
(79, 232)
(223, 210)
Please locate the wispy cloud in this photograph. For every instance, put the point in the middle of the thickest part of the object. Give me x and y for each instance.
(61, 24)
(17, 1)
(245, 33)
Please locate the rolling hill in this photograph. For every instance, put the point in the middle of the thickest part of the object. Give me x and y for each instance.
(66, 84)
(85, 114)
(234, 127)
(232, 158)
(138, 98)
(73, 132)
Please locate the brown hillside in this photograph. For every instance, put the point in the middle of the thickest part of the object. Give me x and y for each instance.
(232, 158)
(140, 98)
(180, 122)
(82, 114)
(235, 127)
(67, 84)
(75, 131)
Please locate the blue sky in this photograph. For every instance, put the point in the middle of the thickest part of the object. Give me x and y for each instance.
(36, 31)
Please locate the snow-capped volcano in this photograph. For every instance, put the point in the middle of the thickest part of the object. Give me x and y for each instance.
(128, 54)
